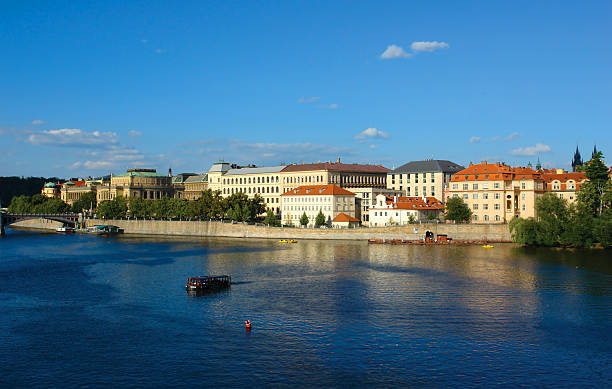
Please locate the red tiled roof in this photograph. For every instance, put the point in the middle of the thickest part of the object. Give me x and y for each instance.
(415, 203)
(337, 167)
(495, 171)
(318, 190)
(343, 217)
(564, 177)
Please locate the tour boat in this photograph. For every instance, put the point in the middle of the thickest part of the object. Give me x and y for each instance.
(208, 283)
(105, 229)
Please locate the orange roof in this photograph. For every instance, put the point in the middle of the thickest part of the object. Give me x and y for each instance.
(343, 217)
(318, 190)
(337, 167)
(415, 203)
(564, 177)
(495, 172)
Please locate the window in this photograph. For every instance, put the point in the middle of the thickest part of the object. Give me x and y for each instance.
(455, 186)
(523, 196)
(455, 196)
(497, 218)
(485, 206)
(475, 186)
(465, 196)
(497, 207)
(475, 217)
(523, 207)
(486, 217)
(523, 185)
(475, 206)
(496, 196)
(496, 185)
(485, 196)
(465, 186)
(475, 196)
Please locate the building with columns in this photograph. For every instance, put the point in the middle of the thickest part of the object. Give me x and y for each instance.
(146, 184)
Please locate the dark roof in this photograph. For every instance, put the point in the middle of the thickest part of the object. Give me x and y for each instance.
(429, 165)
(337, 167)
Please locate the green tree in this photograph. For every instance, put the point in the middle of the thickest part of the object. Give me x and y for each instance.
(304, 220)
(457, 210)
(552, 216)
(112, 209)
(86, 202)
(411, 219)
(598, 180)
(320, 219)
(271, 219)
(524, 231)
(602, 229)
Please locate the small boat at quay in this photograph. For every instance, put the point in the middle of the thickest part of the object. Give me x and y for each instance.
(105, 229)
(65, 229)
(208, 283)
(287, 241)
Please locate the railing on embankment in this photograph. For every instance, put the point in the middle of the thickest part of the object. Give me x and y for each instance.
(489, 232)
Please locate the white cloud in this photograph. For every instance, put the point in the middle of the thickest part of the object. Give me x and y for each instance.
(97, 164)
(531, 150)
(75, 165)
(309, 99)
(37, 122)
(512, 136)
(371, 133)
(428, 46)
(133, 133)
(475, 139)
(393, 52)
(373, 147)
(74, 138)
(331, 106)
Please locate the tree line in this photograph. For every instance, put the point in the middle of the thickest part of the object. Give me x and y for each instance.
(211, 205)
(16, 186)
(585, 223)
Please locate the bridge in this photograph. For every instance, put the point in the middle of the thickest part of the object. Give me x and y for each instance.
(7, 218)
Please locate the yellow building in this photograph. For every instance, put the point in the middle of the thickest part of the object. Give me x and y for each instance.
(564, 184)
(496, 192)
(51, 190)
(423, 178)
(271, 181)
(194, 186)
(142, 183)
(73, 190)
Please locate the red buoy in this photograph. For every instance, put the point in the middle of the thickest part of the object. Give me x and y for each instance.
(247, 325)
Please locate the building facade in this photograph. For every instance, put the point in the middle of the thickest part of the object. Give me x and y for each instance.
(310, 199)
(73, 190)
(194, 186)
(146, 184)
(496, 192)
(564, 184)
(423, 178)
(398, 211)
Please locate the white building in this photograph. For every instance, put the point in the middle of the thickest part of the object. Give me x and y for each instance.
(391, 211)
(329, 199)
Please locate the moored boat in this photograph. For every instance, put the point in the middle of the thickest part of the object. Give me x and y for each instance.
(65, 229)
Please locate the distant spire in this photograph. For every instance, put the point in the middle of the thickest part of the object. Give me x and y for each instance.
(529, 165)
(594, 151)
(577, 161)
(539, 165)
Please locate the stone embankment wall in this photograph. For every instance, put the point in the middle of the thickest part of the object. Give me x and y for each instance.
(490, 232)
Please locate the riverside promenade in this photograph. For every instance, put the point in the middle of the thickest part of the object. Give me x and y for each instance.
(489, 232)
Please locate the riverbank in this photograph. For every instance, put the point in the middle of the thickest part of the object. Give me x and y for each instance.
(467, 232)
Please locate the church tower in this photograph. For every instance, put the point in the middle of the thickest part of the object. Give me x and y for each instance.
(577, 162)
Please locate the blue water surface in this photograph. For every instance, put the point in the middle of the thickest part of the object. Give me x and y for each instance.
(88, 311)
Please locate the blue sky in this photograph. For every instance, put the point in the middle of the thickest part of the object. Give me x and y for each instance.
(89, 88)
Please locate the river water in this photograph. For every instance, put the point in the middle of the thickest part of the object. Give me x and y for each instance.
(81, 310)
